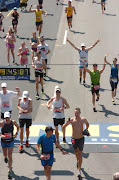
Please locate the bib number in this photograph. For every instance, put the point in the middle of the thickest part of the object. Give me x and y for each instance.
(72, 141)
(38, 18)
(96, 87)
(8, 135)
(5, 104)
(46, 156)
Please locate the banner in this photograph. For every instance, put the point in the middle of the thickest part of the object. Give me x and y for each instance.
(10, 4)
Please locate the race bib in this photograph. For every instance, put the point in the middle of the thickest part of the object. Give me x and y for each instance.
(5, 104)
(72, 141)
(57, 110)
(8, 135)
(96, 87)
(69, 16)
(40, 69)
(46, 156)
(43, 48)
(15, 22)
(38, 18)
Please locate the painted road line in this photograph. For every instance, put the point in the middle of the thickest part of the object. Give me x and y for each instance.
(65, 36)
(10, 12)
(101, 133)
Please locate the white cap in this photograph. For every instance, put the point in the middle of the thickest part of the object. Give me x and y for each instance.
(7, 114)
(25, 94)
(70, 0)
(4, 85)
(15, 7)
(83, 44)
(58, 89)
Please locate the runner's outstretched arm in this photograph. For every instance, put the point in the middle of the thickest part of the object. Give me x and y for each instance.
(89, 48)
(105, 59)
(72, 45)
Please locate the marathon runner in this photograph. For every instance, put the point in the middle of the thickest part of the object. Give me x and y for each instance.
(6, 98)
(83, 56)
(38, 17)
(23, 4)
(25, 109)
(77, 138)
(95, 82)
(69, 10)
(7, 139)
(44, 48)
(1, 18)
(58, 104)
(103, 5)
(113, 76)
(34, 43)
(15, 16)
(38, 64)
(10, 39)
(23, 52)
(46, 154)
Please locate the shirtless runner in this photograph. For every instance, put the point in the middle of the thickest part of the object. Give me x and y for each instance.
(77, 138)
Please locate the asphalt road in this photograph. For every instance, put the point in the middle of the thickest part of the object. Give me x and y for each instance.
(88, 25)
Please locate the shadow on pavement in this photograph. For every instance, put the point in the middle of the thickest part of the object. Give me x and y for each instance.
(53, 80)
(50, 39)
(77, 32)
(50, 14)
(45, 99)
(23, 38)
(16, 177)
(55, 173)
(110, 14)
(88, 176)
(107, 112)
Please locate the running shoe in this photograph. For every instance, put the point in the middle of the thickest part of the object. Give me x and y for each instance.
(42, 91)
(20, 148)
(6, 160)
(9, 175)
(27, 144)
(44, 74)
(37, 96)
(84, 82)
(3, 30)
(13, 61)
(112, 99)
(97, 99)
(94, 109)
(79, 177)
(64, 140)
(80, 80)
(39, 37)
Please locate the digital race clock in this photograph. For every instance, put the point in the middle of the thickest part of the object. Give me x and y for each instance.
(14, 73)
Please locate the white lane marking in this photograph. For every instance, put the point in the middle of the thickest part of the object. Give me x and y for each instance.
(65, 36)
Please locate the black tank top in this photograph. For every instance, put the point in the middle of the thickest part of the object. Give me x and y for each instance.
(7, 130)
(15, 16)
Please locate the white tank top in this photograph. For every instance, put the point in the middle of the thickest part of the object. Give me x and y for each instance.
(38, 63)
(24, 105)
(56, 106)
(83, 55)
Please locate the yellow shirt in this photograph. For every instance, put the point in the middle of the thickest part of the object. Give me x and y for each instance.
(38, 15)
(23, 1)
(69, 11)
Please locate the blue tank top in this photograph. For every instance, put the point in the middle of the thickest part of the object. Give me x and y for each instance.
(35, 41)
(114, 71)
